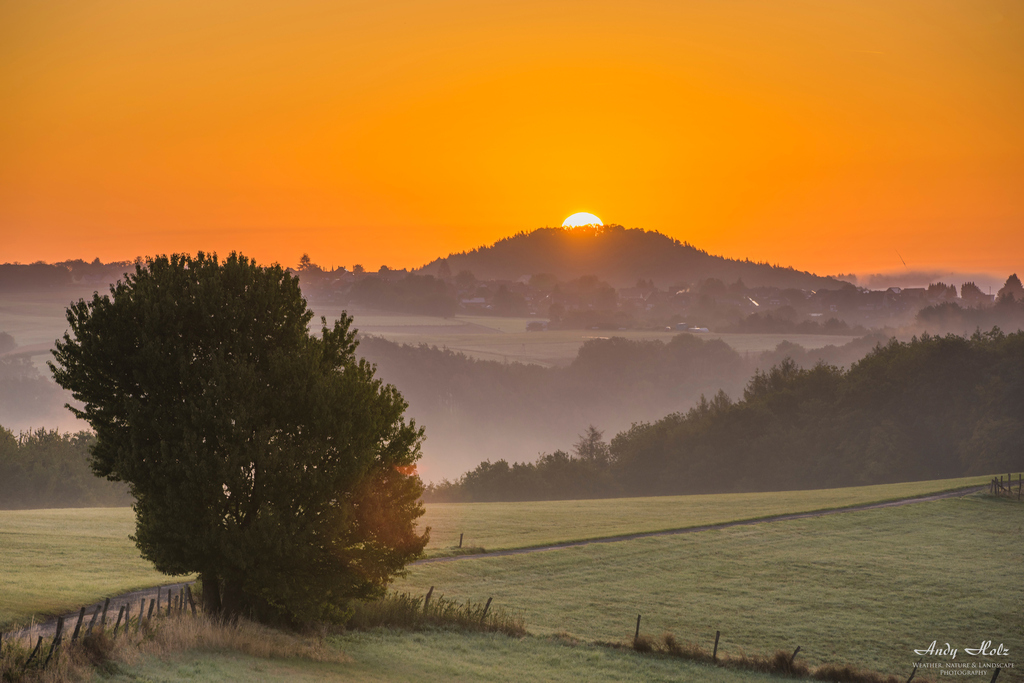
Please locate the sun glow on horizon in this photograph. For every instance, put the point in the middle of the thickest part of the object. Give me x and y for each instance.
(578, 220)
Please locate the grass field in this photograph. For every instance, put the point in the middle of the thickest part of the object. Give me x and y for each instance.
(435, 656)
(865, 587)
(506, 339)
(53, 561)
(497, 526)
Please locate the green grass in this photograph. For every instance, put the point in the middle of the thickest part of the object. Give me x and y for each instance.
(864, 588)
(436, 656)
(54, 561)
(496, 526)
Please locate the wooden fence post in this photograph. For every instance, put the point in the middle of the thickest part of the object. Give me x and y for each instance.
(486, 607)
(158, 601)
(637, 634)
(120, 614)
(34, 652)
(914, 672)
(714, 655)
(794, 655)
(92, 622)
(103, 618)
(191, 602)
(995, 675)
(426, 600)
(56, 640)
(78, 625)
(460, 540)
(149, 614)
(142, 608)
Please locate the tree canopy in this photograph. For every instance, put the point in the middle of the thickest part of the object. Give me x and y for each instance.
(269, 460)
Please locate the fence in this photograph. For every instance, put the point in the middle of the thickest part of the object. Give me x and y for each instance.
(997, 488)
(180, 603)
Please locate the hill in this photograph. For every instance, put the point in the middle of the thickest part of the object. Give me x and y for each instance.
(620, 256)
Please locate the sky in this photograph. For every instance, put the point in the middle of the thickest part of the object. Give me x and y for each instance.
(834, 136)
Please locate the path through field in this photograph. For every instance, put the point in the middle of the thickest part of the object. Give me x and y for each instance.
(708, 527)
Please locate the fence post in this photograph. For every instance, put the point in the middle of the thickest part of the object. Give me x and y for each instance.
(914, 672)
(158, 601)
(460, 540)
(637, 634)
(426, 601)
(149, 614)
(794, 655)
(103, 619)
(34, 652)
(995, 675)
(486, 607)
(78, 625)
(142, 608)
(92, 622)
(191, 602)
(714, 655)
(56, 640)
(120, 614)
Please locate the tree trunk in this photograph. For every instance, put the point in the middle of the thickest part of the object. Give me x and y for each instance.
(232, 599)
(211, 593)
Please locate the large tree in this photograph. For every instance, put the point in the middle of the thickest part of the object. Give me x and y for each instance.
(266, 459)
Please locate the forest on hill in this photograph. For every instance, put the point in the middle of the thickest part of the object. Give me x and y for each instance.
(931, 408)
(619, 255)
(475, 410)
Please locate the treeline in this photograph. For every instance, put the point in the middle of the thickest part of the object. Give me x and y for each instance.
(48, 469)
(39, 275)
(931, 408)
(421, 294)
(756, 323)
(476, 410)
(1007, 314)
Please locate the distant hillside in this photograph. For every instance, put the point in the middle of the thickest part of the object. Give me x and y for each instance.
(621, 257)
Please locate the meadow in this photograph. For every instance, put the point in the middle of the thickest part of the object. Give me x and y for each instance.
(56, 560)
(866, 587)
(500, 526)
(395, 657)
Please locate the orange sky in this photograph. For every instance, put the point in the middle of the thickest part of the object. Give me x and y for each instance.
(826, 134)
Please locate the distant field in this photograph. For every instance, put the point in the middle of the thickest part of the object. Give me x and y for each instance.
(865, 587)
(496, 526)
(435, 656)
(56, 560)
(506, 339)
(37, 319)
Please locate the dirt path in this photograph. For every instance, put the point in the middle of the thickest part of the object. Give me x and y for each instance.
(46, 629)
(134, 598)
(709, 527)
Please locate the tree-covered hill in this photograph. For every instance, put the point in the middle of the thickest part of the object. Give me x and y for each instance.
(931, 408)
(620, 256)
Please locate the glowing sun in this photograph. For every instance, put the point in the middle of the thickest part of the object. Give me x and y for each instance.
(580, 219)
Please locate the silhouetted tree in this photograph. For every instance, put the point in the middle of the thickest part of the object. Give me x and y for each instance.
(269, 461)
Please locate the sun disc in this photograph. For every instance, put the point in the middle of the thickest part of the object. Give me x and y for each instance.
(580, 219)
